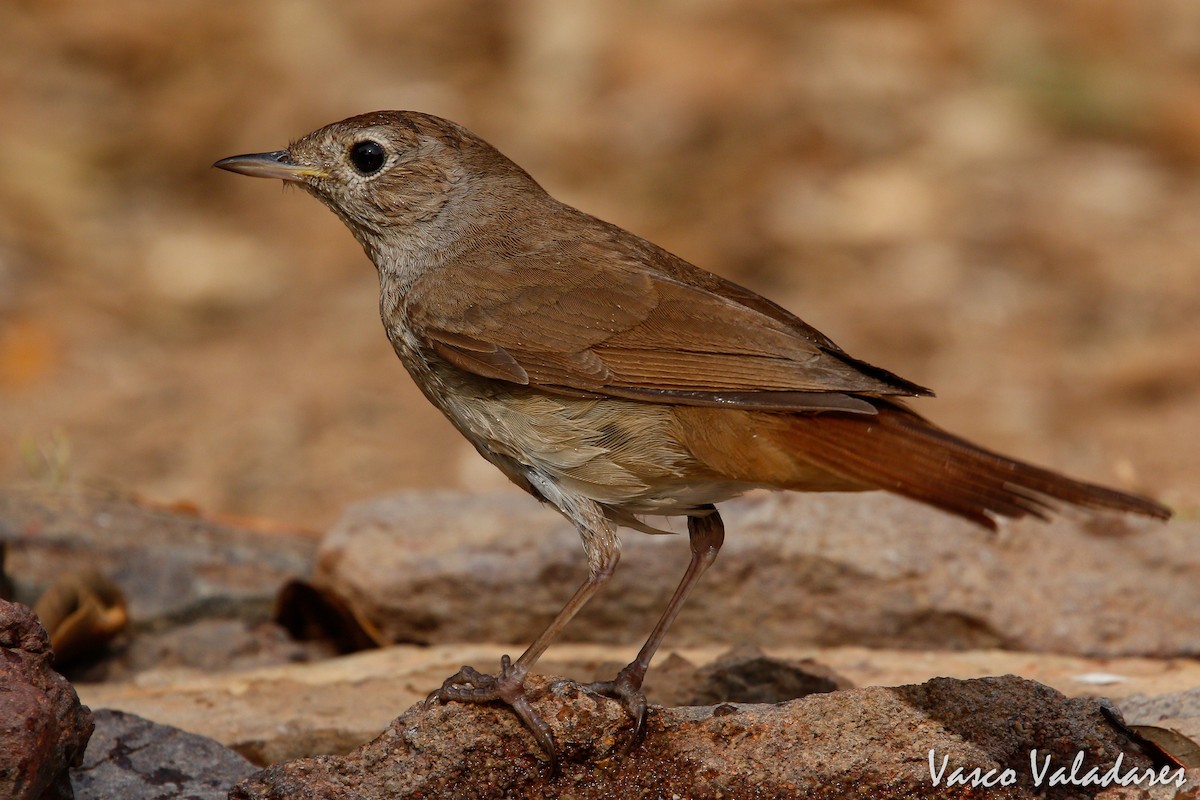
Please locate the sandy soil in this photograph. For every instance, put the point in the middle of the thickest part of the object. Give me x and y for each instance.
(997, 199)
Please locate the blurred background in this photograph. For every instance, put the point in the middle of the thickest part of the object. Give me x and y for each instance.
(995, 198)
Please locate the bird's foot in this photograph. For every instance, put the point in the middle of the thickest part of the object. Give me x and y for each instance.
(469, 685)
(627, 688)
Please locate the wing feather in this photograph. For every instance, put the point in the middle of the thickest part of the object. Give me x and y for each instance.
(579, 318)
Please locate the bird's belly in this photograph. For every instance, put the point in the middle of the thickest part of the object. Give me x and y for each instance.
(637, 457)
(619, 453)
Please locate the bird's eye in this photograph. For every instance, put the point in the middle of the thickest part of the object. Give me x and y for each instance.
(367, 156)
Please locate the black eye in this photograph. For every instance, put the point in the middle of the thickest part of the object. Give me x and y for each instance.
(367, 157)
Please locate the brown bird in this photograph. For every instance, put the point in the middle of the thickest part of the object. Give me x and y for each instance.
(614, 380)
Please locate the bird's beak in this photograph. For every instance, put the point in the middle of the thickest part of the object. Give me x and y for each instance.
(270, 165)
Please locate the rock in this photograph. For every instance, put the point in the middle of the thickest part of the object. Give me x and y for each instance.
(743, 675)
(796, 569)
(1172, 720)
(867, 743)
(172, 567)
(43, 727)
(281, 712)
(208, 645)
(130, 758)
(1140, 708)
(330, 707)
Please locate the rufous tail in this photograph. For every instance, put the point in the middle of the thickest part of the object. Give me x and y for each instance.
(900, 451)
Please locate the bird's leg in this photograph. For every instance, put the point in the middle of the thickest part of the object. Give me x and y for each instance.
(706, 533)
(469, 685)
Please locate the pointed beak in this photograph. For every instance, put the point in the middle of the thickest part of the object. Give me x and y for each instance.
(270, 165)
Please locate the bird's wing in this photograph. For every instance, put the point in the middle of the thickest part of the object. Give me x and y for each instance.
(579, 318)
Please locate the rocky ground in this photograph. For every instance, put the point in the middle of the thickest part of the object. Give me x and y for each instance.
(237, 668)
(994, 198)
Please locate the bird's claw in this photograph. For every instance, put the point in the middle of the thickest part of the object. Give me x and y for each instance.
(469, 685)
(626, 688)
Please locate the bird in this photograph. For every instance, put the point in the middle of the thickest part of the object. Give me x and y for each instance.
(617, 382)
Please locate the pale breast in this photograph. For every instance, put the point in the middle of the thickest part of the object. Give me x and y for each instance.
(620, 453)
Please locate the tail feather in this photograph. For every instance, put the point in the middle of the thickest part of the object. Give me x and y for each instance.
(902, 452)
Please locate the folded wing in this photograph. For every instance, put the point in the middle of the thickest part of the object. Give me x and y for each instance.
(578, 318)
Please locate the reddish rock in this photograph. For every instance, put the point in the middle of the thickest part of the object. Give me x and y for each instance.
(43, 727)
(858, 743)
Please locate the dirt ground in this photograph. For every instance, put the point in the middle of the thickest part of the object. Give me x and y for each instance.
(996, 199)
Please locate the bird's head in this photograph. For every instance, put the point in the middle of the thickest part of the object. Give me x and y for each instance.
(402, 181)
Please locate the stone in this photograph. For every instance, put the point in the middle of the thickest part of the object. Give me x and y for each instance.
(1171, 720)
(1144, 709)
(130, 758)
(43, 727)
(208, 645)
(858, 743)
(743, 675)
(795, 570)
(173, 566)
(271, 714)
